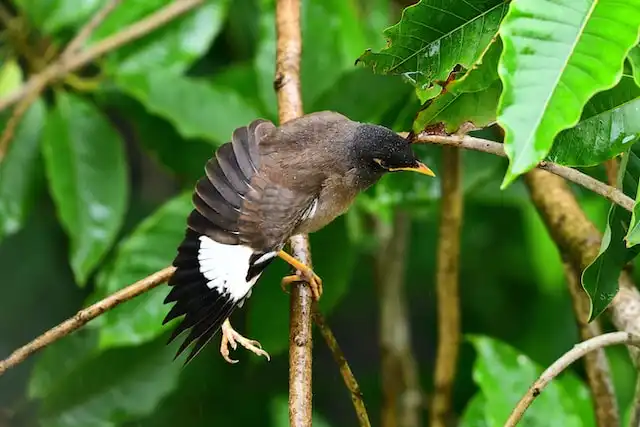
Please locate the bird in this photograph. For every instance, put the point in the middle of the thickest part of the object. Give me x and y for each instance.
(265, 185)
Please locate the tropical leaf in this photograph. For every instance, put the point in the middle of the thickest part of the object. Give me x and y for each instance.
(556, 56)
(433, 36)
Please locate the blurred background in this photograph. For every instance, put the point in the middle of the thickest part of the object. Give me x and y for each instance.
(103, 203)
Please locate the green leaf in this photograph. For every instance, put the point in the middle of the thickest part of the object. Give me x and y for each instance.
(117, 386)
(483, 73)
(59, 360)
(473, 415)
(610, 124)
(52, 16)
(172, 48)
(268, 312)
(600, 278)
(20, 170)
(504, 375)
(433, 36)
(453, 109)
(10, 77)
(151, 247)
(86, 170)
(634, 59)
(556, 56)
(196, 108)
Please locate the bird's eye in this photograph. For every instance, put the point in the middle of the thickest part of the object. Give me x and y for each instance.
(380, 162)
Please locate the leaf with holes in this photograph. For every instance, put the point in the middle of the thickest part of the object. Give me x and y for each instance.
(600, 278)
(433, 36)
(609, 125)
(86, 169)
(556, 56)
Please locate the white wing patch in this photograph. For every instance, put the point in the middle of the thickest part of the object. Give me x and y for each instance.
(226, 267)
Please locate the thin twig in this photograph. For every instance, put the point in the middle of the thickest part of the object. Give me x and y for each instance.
(14, 121)
(596, 363)
(86, 31)
(447, 287)
(478, 144)
(402, 395)
(85, 315)
(287, 86)
(63, 66)
(345, 370)
(564, 362)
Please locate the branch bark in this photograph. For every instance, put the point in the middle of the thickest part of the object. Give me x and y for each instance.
(564, 362)
(83, 316)
(478, 144)
(287, 86)
(345, 370)
(447, 286)
(402, 405)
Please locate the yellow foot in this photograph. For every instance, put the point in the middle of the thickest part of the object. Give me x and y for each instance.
(233, 338)
(315, 282)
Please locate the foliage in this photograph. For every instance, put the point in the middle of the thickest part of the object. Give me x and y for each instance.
(95, 189)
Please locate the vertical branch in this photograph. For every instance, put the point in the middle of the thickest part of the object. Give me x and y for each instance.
(447, 286)
(595, 363)
(287, 86)
(400, 380)
(579, 243)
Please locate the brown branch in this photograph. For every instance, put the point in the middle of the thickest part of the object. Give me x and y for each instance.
(86, 315)
(287, 86)
(564, 362)
(86, 31)
(63, 66)
(402, 395)
(345, 370)
(478, 144)
(14, 121)
(447, 286)
(596, 363)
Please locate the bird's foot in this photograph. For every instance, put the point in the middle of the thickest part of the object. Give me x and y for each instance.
(315, 282)
(233, 338)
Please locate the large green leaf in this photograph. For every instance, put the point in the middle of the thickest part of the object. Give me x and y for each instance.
(453, 109)
(117, 386)
(433, 36)
(268, 312)
(610, 123)
(196, 108)
(52, 16)
(20, 170)
(556, 56)
(600, 278)
(86, 170)
(10, 77)
(172, 48)
(504, 375)
(473, 415)
(151, 247)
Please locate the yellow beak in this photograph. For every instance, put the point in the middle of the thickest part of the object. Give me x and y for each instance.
(421, 168)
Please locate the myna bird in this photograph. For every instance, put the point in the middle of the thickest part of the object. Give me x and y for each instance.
(266, 185)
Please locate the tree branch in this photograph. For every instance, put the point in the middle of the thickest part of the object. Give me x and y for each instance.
(345, 370)
(564, 362)
(402, 404)
(478, 144)
(287, 86)
(85, 315)
(596, 363)
(86, 31)
(447, 286)
(65, 65)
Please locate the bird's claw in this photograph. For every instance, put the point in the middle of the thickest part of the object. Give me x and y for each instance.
(233, 338)
(314, 281)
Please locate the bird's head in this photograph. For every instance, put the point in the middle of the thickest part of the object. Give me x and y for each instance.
(380, 150)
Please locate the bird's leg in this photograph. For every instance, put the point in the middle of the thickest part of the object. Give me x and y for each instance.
(315, 282)
(233, 338)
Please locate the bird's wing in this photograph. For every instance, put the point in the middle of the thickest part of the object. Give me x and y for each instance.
(217, 262)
